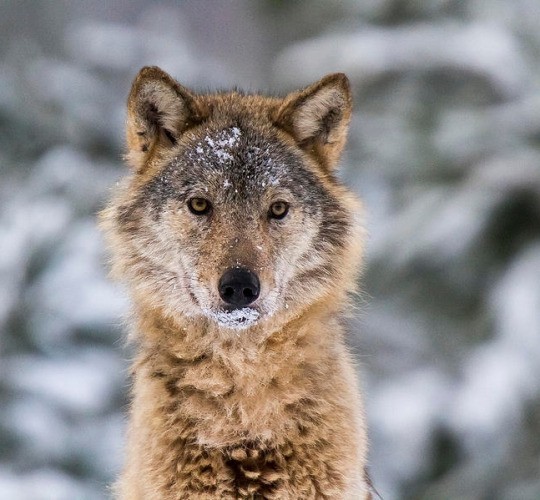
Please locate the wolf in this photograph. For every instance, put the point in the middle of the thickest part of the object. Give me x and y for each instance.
(240, 249)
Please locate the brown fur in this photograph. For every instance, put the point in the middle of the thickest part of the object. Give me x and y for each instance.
(269, 410)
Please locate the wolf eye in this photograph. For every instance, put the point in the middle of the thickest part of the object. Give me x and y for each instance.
(278, 209)
(199, 206)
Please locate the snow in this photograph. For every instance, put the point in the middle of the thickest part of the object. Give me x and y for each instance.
(407, 412)
(486, 50)
(84, 383)
(71, 293)
(236, 319)
(221, 144)
(504, 375)
(45, 484)
(41, 426)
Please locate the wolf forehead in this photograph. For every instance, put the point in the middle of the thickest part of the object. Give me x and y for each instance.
(234, 161)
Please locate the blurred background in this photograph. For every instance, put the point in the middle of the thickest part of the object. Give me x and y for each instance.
(444, 149)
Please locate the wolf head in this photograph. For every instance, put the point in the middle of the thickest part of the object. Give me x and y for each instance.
(233, 215)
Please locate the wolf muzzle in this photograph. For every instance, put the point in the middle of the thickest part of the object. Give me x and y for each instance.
(239, 287)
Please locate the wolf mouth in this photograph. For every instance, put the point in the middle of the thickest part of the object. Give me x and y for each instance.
(235, 319)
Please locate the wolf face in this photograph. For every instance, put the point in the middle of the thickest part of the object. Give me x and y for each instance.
(233, 214)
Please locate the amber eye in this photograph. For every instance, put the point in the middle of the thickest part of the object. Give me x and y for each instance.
(278, 209)
(199, 206)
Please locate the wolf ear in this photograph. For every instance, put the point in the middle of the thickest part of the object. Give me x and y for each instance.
(159, 110)
(318, 117)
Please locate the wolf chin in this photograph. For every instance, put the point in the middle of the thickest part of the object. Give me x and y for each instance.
(240, 249)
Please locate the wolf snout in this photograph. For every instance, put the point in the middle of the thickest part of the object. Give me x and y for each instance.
(239, 287)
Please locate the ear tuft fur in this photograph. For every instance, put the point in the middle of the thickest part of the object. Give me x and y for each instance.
(159, 110)
(318, 117)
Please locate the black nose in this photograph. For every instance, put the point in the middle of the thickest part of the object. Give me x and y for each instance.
(239, 286)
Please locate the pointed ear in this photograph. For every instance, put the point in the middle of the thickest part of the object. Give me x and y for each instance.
(159, 110)
(318, 117)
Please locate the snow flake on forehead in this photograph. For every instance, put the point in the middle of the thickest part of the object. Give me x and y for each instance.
(240, 159)
(219, 146)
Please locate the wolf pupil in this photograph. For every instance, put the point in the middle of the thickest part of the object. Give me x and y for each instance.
(279, 209)
(199, 206)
